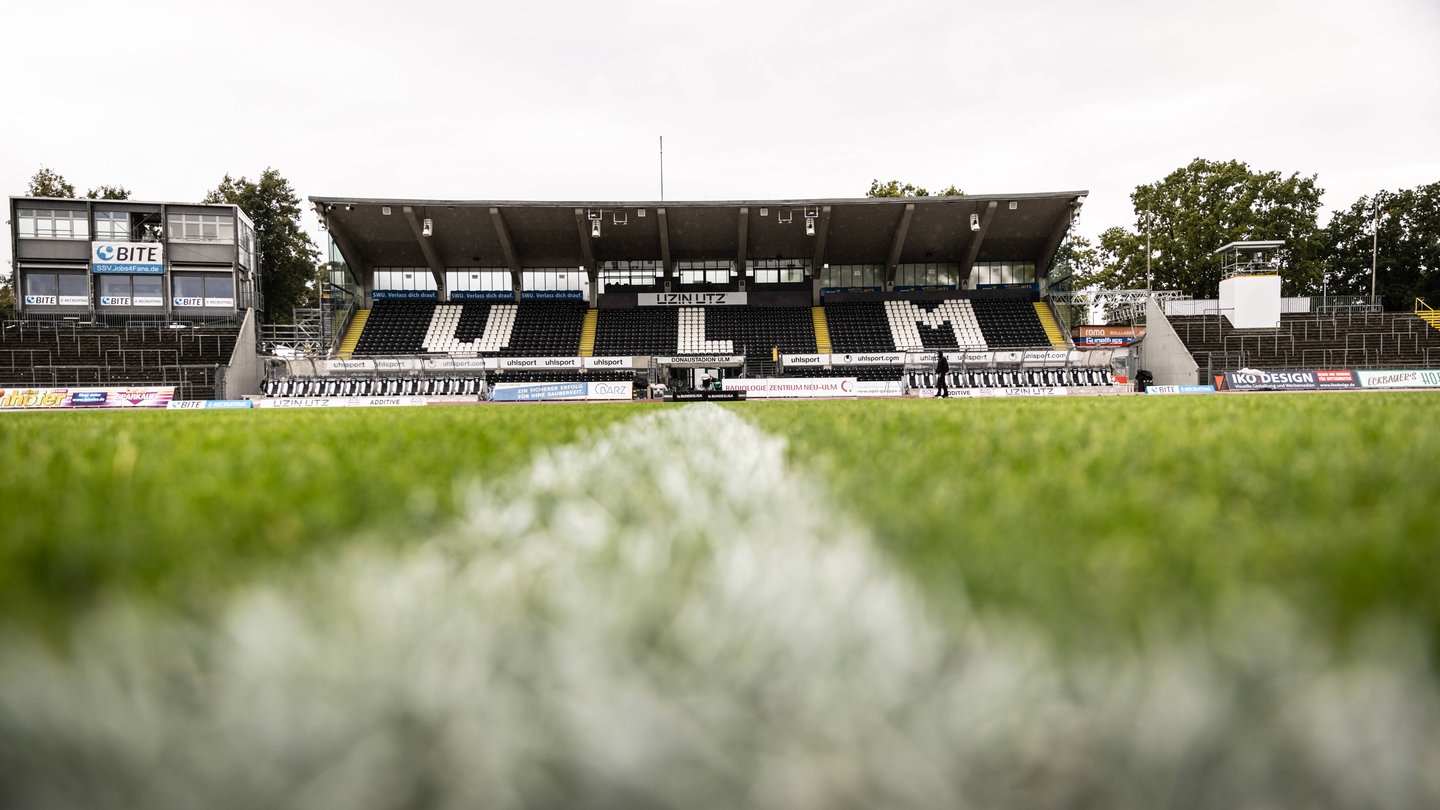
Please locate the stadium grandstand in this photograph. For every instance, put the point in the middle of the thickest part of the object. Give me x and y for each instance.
(134, 302)
(1251, 338)
(488, 295)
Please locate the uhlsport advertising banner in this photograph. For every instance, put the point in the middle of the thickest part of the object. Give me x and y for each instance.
(868, 359)
(541, 363)
(539, 392)
(59, 398)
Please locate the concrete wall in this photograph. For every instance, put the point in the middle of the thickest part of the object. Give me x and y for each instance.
(1162, 351)
(242, 376)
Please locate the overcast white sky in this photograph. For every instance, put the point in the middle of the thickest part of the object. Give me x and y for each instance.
(755, 100)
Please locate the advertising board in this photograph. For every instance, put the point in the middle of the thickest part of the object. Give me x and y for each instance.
(129, 258)
(792, 388)
(86, 397)
(539, 392)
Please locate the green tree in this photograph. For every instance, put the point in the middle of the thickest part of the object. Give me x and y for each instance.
(7, 298)
(1116, 263)
(49, 183)
(108, 193)
(288, 259)
(1202, 206)
(894, 188)
(1395, 234)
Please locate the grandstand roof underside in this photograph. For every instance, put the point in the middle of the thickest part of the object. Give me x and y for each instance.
(517, 235)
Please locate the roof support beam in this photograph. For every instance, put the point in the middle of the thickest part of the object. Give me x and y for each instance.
(667, 266)
(587, 252)
(822, 229)
(507, 246)
(741, 249)
(432, 259)
(897, 244)
(1052, 244)
(969, 263)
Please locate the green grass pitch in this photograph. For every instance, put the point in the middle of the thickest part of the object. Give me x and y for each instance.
(1121, 602)
(1089, 517)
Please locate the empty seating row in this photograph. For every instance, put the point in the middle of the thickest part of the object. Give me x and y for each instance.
(187, 356)
(751, 331)
(526, 329)
(1371, 340)
(956, 323)
(944, 324)
(1010, 323)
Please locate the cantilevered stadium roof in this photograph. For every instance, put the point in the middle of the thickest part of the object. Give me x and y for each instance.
(443, 234)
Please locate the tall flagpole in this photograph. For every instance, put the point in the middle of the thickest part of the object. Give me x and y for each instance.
(662, 168)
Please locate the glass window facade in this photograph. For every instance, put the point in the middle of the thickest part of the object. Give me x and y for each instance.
(52, 223)
(57, 288)
(202, 228)
(247, 246)
(553, 278)
(404, 278)
(718, 271)
(148, 291)
(778, 271)
(853, 275)
(40, 284)
(985, 273)
(112, 226)
(631, 273)
(187, 286)
(933, 274)
(476, 278)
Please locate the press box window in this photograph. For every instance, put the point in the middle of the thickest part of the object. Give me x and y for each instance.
(40, 284)
(112, 226)
(47, 223)
(202, 228)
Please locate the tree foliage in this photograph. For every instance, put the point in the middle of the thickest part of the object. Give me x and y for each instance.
(108, 193)
(48, 183)
(1395, 234)
(1198, 208)
(288, 259)
(894, 188)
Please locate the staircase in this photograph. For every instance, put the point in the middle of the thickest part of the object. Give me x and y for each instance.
(1052, 326)
(822, 330)
(587, 333)
(352, 335)
(1427, 313)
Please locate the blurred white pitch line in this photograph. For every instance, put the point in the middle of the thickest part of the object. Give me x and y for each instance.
(666, 614)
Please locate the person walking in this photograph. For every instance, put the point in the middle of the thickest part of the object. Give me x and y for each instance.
(942, 371)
